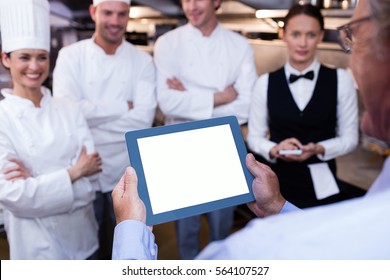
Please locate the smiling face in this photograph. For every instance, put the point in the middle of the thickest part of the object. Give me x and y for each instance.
(29, 67)
(302, 34)
(201, 14)
(111, 20)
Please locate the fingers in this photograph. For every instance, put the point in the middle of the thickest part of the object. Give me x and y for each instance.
(11, 169)
(289, 144)
(295, 142)
(96, 157)
(15, 160)
(175, 84)
(14, 176)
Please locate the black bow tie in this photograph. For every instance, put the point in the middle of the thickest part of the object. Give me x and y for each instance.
(309, 75)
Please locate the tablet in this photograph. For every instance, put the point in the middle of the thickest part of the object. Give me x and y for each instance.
(190, 168)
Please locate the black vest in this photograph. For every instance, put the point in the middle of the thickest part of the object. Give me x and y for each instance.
(316, 122)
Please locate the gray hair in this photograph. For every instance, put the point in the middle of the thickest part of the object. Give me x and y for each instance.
(380, 10)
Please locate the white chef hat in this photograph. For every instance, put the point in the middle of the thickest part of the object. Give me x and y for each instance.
(25, 24)
(97, 2)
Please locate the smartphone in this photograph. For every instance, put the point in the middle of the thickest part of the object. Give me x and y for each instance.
(290, 152)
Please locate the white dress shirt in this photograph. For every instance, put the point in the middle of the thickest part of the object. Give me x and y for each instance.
(102, 85)
(46, 216)
(302, 91)
(205, 65)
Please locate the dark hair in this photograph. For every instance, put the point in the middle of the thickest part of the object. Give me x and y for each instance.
(307, 9)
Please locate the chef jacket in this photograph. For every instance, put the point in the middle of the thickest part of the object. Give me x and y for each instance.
(205, 65)
(101, 85)
(46, 216)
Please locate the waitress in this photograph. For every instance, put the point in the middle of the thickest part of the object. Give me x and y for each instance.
(46, 150)
(306, 107)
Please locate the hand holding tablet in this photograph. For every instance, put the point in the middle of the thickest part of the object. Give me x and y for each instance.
(190, 168)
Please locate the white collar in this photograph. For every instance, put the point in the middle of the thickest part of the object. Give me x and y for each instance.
(314, 66)
(20, 103)
(193, 31)
(96, 49)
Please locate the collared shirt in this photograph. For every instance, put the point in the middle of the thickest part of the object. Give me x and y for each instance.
(302, 91)
(352, 229)
(205, 65)
(139, 245)
(46, 216)
(101, 85)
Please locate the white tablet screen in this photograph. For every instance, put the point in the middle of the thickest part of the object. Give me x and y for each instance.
(191, 167)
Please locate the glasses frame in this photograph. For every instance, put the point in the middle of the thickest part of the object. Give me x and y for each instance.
(345, 33)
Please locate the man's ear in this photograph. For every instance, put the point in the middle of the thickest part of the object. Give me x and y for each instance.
(217, 4)
(92, 11)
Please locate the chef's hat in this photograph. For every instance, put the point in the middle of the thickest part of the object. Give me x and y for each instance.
(97, 2)
(25, 24)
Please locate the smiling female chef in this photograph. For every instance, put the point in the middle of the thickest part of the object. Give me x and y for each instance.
(47, 200)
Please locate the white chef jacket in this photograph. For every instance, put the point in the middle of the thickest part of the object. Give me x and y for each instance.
(102, 85)
(46, 216)
(302, 91)
(204, 65)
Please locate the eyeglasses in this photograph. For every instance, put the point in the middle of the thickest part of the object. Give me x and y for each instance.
(346, 36)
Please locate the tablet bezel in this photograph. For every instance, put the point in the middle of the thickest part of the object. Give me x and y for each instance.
(136, 162)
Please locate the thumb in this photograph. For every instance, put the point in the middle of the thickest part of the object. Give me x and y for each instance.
(251, 163)
(83, 150)
(256, 168)
(131, 181)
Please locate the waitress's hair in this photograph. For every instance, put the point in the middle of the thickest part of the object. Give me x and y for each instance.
(306, 9)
